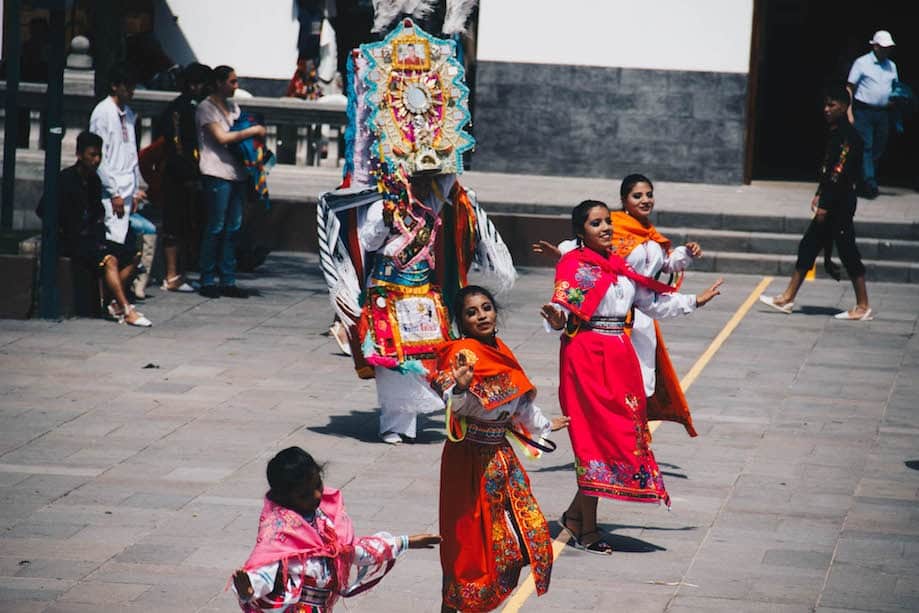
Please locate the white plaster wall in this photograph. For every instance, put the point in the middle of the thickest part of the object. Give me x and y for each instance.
(695, 35)
(258, 39)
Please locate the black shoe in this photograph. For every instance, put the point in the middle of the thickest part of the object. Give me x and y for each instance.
(209, 291)
(233, 291)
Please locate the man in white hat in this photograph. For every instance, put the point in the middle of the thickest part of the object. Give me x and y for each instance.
(870, 83)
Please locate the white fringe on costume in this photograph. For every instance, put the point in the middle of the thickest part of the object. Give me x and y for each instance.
(457, 15)
(491, 253)
(385, 12)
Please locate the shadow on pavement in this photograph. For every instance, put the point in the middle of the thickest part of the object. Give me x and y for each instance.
(619, 542)
(553, 469)
(360, 425)
(818, 310)
(363, 426)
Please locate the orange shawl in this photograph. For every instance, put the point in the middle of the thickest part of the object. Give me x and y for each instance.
(498, 377)
(668, 402)
(628, 233)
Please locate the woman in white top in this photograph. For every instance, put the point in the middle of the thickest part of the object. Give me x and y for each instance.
(224, 179)
(600, 385)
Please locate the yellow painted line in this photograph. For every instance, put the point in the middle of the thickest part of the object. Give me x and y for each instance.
(812, 273)
(526, 589)
(715, 345)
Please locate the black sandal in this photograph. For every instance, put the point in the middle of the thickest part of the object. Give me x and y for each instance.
(563, 523)
(598, 547)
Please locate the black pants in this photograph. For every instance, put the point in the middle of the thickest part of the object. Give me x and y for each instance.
(837, 229)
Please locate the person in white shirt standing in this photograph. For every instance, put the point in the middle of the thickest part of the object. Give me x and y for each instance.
(114, 121)
(870, 84)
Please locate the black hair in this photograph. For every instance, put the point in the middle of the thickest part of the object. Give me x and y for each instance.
(836, 91)
(289, 469)
(121, 74)
(460, 299)
(196, 73)
(88, 139)
(221, 73)
(631, 181)
(579, 216)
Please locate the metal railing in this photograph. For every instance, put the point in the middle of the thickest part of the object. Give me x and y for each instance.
(312, 125)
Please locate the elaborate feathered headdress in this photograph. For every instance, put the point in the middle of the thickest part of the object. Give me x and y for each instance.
(408, 105)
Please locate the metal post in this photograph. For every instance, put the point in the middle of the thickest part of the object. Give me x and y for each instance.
(11, 121)
(48, 294)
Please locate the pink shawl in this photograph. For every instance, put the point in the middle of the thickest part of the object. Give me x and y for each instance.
(284, 535)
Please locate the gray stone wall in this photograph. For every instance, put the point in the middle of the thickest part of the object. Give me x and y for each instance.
(589, 121)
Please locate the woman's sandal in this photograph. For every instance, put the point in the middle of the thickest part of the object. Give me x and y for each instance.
(598, 547)
(563, 524)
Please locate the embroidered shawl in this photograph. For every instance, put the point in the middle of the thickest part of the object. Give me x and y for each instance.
(583, 276)
(254, 154)
(283, 535)
(628, 233)
(497, 377)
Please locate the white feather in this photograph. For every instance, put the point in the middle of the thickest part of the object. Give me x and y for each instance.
(492, 254)
(458, 12)
(385, 12)
(419, 9)
(336, 266)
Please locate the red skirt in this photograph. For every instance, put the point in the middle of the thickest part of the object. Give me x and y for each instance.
(491, 526)
(601, 390)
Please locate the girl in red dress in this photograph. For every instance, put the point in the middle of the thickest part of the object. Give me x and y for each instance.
(600, 382)
(489, 520)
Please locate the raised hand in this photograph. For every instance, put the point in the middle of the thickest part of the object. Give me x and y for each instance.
(243, 584)
(546, 248)
(707, 295)
(560, 422)
(552, 315)
(424, 541)
(694, 250)
(462, 373)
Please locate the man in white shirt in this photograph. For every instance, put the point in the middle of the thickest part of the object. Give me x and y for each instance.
(114, 120)
(870, 84)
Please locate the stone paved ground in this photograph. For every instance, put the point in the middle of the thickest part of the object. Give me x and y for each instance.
(125, 488)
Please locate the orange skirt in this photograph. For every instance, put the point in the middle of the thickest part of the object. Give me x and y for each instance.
(491, 526)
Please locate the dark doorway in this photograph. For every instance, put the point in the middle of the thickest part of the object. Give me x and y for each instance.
(804, 44)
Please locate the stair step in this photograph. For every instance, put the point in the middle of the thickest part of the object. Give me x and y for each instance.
(783, 265)
(776, 243)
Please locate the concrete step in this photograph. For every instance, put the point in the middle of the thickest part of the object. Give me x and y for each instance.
(787, 243)
(783, 265)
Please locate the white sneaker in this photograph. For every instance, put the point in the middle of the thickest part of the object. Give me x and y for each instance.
(391, 438)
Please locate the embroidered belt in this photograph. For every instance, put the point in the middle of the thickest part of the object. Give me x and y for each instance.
(486, 432)
(614, 326)
(385, 270)
(315, 596)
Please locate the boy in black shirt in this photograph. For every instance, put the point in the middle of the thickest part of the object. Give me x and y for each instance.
(834, 207)
(81, 228)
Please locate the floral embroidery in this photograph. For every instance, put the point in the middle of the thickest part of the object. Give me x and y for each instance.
(620, 480)
(587, 275)
(631, 401)
(574, 296)
(492, 390)
(508, 492)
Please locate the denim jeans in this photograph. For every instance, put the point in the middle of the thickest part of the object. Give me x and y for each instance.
(224, 202)
(141, 225)
(872, 125)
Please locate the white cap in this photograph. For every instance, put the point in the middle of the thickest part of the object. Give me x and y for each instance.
(882, 38)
